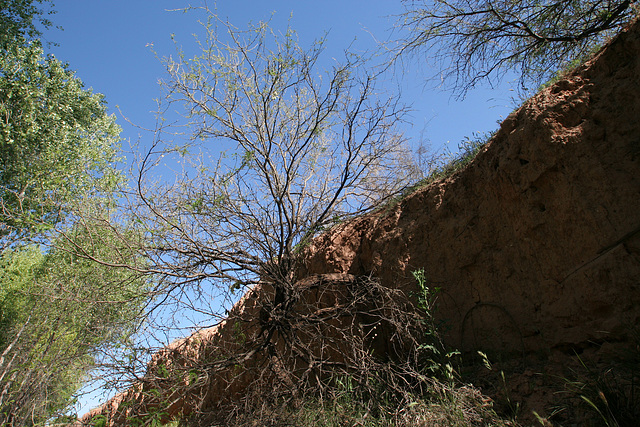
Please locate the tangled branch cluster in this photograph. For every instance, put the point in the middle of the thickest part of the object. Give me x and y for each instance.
(334, 336)
(478, 40)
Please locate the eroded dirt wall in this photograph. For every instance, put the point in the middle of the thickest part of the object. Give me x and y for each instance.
(536, 245)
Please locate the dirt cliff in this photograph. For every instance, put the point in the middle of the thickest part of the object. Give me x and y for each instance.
(535, 245)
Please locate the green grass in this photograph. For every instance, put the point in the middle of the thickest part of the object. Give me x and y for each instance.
(443, 165)
(445, 405)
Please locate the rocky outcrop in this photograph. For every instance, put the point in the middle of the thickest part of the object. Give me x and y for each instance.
(535, 245)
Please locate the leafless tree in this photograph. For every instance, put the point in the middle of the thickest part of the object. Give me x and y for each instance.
(481, 40)
(295, 148)
(276, 149)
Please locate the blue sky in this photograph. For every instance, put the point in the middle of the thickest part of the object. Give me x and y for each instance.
(109, 45)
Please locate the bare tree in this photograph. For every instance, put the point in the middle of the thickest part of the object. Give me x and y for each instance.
(276, 150)
(295, 149)
(480, 40)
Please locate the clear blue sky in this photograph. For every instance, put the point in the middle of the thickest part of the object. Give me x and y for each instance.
(107, 43)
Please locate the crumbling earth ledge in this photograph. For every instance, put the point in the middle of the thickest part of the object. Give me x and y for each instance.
(535, 245)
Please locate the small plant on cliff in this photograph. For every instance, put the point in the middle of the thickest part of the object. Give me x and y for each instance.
(443, 165)
(440, 167)
(440, 362)
(570, 66)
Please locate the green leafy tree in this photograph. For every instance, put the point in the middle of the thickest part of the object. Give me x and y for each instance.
(22, 19)
(57, 311)
(478, 40)
(60, 311)
(57, 143)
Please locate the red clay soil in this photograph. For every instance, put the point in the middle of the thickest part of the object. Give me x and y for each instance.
(540, 236)
(535, 245)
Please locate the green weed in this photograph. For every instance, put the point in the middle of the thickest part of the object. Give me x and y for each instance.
(440, 362)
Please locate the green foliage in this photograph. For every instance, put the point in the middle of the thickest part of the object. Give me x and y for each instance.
(60, 310)
(427, 297)
(57, 310)
(99, 421)
(19, 20)
(440, 362)
(57, 143)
